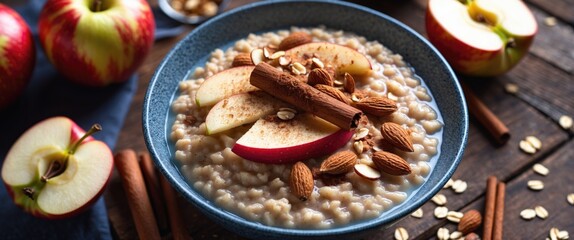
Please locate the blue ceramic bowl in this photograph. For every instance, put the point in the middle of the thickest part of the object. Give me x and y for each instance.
(273, 15)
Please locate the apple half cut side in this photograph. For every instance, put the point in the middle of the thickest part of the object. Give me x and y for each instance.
(481, 37)
(241, 109)
(224, 84)
(341, 58)
(278, 142)
(88, 166)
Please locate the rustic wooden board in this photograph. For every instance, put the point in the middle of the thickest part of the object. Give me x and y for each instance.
(562, 9)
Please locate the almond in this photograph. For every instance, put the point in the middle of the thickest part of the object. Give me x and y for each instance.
(470, 222)
(397, 136)
(339, 163)
(294, 40)
(390, 163)
(378, 106)
(349, 84)
(242, 59)
(301, 181)
(320, 76)
(333, 92)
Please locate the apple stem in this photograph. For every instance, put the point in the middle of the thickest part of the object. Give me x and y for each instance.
(95, 128)
(511, 43)
(29, 192)
(97, 6)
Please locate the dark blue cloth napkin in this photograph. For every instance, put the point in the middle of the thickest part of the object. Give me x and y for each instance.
(49, 94)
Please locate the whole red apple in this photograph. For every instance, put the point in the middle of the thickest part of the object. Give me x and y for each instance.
(99, 42)
(481, 37)
(17, 55)
(56, 170)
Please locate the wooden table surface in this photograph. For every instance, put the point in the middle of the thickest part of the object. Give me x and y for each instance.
(546, 73)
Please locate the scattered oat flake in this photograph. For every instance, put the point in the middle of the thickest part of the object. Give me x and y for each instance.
(534, 141)
(401, 234)
(440, 212)
(443, 234)
(550, 21)
(511, 88)
(565, 122)
(418, 213)
(527, 147)
(455, 235)
(448, 183)
(439, 199)
(285, 115)
(570, 198)
(528, 214)
(459, 186)
(535, 185)
(540, 169)
(454, 216)
(554, 233)
(541, 212)
(563, 235)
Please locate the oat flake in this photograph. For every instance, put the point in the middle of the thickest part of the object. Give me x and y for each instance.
(443, 234)
(565, 122)
(440, 212)
(540, 169)
(401, 234)
(439, 199)
(418, 213)
(528, 214)
(535, 185)
(570, 198)
(541, 212)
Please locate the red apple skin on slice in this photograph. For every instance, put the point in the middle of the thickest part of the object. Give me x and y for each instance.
(275, 141)
(241, 109)
(224, 84)
(341, 58)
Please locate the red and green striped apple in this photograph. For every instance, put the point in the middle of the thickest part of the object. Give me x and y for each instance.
(96, 42)
(17, 55)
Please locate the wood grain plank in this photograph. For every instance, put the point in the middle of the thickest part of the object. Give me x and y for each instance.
(562, 9)
(554, 43)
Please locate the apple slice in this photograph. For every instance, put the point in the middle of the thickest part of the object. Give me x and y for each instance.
(224, 84)
(56, 170)
(341, 58)
(481, 37)
(241, 109)
(303, 137)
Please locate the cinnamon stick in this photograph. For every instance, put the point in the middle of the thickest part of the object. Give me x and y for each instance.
(177, 225)
(132, 181)
(499, 212)
(490, 204)
(495, 127)
(152, 182)
(291, 90)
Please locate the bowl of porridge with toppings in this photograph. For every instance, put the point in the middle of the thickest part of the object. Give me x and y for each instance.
(305, 119)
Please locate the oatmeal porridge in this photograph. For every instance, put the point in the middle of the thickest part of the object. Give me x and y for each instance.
(375, 168)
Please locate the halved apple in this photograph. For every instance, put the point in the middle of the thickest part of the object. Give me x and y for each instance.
(56, 170)
(341, 58)
(303, 137)
(224, 84)
(241, 109)
(481, 37)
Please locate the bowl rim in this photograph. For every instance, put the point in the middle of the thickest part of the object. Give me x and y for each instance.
(209, 208)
